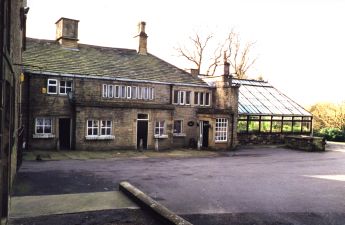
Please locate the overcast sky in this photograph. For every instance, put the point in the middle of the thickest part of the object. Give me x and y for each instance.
(300, 44)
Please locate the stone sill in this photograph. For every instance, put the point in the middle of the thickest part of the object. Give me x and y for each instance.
(161, 136)
(101, 137)
(180, 135)
(221, 142)
(43, 136)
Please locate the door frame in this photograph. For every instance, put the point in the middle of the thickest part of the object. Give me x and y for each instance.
(137, 123)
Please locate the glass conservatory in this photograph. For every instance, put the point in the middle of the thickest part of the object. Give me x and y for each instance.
(265, 110)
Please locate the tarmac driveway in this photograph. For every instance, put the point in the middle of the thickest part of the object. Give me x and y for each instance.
(257, 185)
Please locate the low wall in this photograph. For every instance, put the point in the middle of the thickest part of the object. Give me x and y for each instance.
(306, 143)
(260, 139)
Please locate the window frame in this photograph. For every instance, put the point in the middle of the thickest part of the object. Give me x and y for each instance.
(44, 125)
(181, 127)
(129, 92)
(66, 87)
(134, 92)
(221, 135)
(159, 128)
(106, 127)
(50, 85)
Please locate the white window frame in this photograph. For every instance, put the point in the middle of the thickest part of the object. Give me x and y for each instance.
(151, 93)
(44, 119)
(140, 92)
(123, 91)
(196, 94)
(181, 131)
(92, 127)
(110, 91)
(108, 127)
(188, 98)
(221, 130)
(159, 128)
(209, 98)
(117, 91)
(134, 92)
(104, 90)
(145, 93)
(182, 97)
(129, 92)
(52, 85)
(66, 87)
(176, 99)
(201, 98)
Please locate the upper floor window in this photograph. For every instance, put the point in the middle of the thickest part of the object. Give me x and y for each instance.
(202, 98)
(64, 86)
(129, 92)
(181, 97)
(52, 86)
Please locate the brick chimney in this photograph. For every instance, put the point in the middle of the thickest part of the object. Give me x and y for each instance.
(142, 39)
(67, 32)
(227, 78)
(194, 72)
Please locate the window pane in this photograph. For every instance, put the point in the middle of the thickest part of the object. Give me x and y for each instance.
(129, 91)
(287, 126)
(276, 126)
(187, 97)
(242, 126)
(207, 99)
(52, 89)
(265, 126)
(297, 126)
(178, 126)
(117, 91)
(143, 116)
(182, 93)
(201, 98)
(105, 91)
(196, 98)
(253, 126)
(134, 92)
(176, 97)
(151, 93)
(221, 129)
(306, 127)
(123, 92)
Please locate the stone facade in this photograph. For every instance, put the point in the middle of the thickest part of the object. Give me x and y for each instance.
(88, 103)
(12, 30)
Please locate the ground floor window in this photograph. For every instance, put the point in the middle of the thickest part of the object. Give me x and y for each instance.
(159, 128)
(221, 129)
(178, 127)
(43, 126)
(99, 129)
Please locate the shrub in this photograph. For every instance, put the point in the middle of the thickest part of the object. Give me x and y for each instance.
(331, 134)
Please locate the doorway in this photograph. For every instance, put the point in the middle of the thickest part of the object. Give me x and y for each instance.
(142, 131)
(65, 133)
(204, 131)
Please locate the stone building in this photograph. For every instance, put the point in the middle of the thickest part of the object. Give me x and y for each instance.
(89, 97)
(12, 34)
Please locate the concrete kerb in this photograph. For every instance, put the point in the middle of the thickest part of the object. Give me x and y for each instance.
(147, 203)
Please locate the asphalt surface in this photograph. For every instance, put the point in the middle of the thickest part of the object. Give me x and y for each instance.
(249, 186)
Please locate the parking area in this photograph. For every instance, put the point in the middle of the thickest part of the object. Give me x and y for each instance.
(256, 183)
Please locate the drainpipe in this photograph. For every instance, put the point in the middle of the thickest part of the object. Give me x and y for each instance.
(232, 131)
(28, 112)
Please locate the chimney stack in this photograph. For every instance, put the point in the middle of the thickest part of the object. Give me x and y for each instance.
(227, 78)
(142, 39)
(194, 72)
(67, 32)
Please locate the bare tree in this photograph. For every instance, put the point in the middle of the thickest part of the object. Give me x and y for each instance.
(236, 54)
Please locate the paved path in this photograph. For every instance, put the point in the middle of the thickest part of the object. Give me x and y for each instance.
(260, 181)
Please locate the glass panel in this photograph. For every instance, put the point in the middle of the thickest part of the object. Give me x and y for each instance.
(143, 116)
(176, 97)
(196, 98)
(265, 117)
(297, 127)
(306, 118)
(297, 118)
(306, 126)
(134, 92)
(276, 126)
(265, 126)
(187, 97)
(254, 117)
(287, 126)
(287, 118)
(242, 126)
(178, 126)
(207, 99)
(253, 126)
(241, 117)
(201, 98)
(277, 118)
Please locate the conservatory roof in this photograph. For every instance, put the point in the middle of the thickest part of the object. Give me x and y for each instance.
(261, 98)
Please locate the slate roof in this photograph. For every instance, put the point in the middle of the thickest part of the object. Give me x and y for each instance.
(261, 98)
(48, 56)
